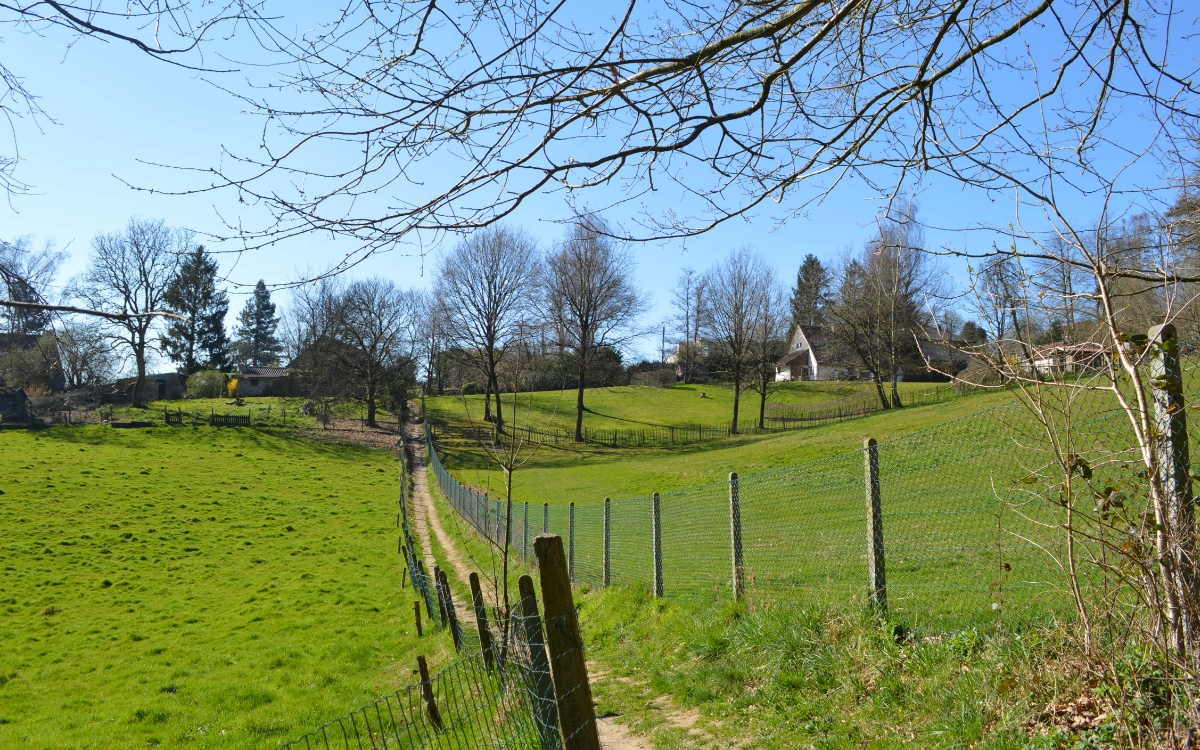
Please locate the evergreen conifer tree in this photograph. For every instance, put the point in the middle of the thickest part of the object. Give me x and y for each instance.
(257, 345)
(810, 293)
(200, 343)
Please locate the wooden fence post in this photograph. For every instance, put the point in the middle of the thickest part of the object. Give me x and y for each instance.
(437, 588)
(576, 714)
(735, 534)
(571, 544)
(541, 688)
(876, 576)
(656, 545)
(435, 716)
(525, 535)
(1172, 457)
(481, 622)
(425, 592)
(451, 613)
(417, 616)
(607, 542)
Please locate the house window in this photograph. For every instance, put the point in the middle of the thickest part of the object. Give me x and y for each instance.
(253, 381)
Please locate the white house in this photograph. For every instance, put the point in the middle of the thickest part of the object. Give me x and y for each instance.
(804, 358)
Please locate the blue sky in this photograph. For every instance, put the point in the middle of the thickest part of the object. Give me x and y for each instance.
(116, 112)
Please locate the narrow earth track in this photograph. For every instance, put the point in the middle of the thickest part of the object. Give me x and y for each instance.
(613, 736)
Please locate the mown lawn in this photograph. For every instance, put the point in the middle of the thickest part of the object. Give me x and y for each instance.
(195, 586)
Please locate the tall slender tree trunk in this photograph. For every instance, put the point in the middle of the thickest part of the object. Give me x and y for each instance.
(371, 394)
(883, 399)
(495, 388)
(737, 397)
(139, 383)
(579, 404)
(762, 407)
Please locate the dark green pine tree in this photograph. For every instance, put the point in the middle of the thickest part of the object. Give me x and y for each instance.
(257, 345)
(810, 293)
(199, 343)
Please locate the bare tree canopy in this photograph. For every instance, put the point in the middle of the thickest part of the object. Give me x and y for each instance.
(739, 291)
(129, 275)
(733, 104)
(591, 298)
(169, 30)
(486, 289)
(26, 275)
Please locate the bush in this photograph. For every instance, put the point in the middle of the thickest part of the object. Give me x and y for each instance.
(231, 387)
(206, 384)
(469, 389)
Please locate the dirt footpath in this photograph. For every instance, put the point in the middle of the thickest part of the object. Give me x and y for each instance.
(613, 736)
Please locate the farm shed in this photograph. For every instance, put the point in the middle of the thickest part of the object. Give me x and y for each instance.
(266, 381)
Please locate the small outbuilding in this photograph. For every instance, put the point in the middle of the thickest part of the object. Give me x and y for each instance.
(13, 404)
(266, 381)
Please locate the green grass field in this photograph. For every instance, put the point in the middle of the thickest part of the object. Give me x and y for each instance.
(195, 586)
(588, 473)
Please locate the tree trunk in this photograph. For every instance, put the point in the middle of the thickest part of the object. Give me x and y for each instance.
(895, 393)
(737, 397)
(883, 399)
(579, 407)
(371, 406)
(762, 407)
(495, 388)
(139, 355)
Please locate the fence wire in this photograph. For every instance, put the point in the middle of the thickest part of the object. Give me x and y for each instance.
(500, 699)
(974, 513)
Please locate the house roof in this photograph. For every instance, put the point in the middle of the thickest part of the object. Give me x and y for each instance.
(1087, 347)
(11, 390)
(791, 357)
(267, 372)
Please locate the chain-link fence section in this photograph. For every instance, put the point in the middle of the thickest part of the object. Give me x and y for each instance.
(975, 515)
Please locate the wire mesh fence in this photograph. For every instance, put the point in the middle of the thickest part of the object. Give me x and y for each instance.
(500, 697)
(975, 514)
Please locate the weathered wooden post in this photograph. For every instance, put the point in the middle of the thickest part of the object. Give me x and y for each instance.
(1177, 541)
(607, 542)
(435, 716)
(876, 576)
(525, 535)
(451, 613)
(571, 544)
(417, 616)
(541, 687)
(656, 545)
(426, 594)
(735, 535)
(437, 588)
(481, 622)
(576, 714)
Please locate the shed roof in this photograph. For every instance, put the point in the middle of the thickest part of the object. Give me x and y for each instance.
(267, 372)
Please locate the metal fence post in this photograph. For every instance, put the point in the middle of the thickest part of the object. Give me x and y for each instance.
(607, 542)
(576, 713)
(735, 535)
(1174, 462)
(541, 688)
(571, 544)
(656, 544)
(876, 577)
(525, 535)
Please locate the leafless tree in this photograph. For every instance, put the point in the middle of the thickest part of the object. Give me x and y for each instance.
(85, 353)
(375, 335)
(688, 301)
(769, 341)
(127, 278)
(591, 298)
(26, 275)
(485, 289)
(735, 303)
(169, 30)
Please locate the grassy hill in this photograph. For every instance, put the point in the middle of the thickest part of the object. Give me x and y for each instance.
(208, 587)
(588, 473)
